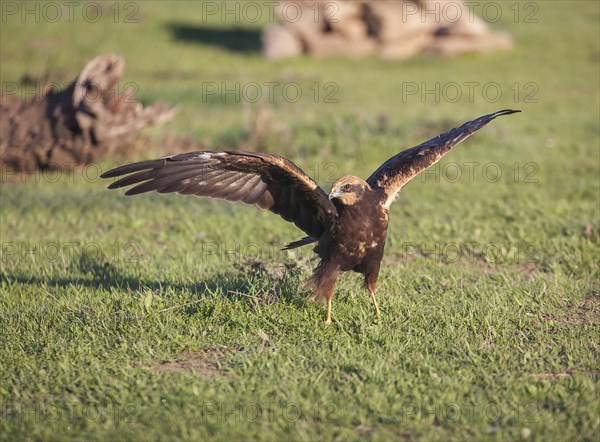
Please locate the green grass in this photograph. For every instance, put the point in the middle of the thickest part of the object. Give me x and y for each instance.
(167, 317)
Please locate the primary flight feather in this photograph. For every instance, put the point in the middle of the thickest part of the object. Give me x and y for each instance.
(349, 224)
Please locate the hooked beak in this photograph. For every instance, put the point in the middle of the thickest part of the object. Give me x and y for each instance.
(333, 194)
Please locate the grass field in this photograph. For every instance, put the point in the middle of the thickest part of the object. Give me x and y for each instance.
(170, 317)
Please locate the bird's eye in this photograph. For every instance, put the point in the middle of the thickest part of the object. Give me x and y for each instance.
(346, 187)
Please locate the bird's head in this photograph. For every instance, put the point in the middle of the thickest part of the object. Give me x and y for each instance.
(348, 190)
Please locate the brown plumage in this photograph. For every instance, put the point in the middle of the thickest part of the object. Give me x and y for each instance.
(349, 225)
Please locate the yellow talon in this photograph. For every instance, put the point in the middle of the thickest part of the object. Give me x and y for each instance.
(328, 320)
(375, 302)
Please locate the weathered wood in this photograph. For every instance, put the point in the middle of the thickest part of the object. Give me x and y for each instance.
(77, 125)
(304, 18)
(393, 21)
(335, 45)
(393, 29)
(453, 45)
(353, 29)
(406, 48)
(279, 42)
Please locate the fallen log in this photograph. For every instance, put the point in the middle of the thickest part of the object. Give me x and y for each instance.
(391, 29)
(79, 124)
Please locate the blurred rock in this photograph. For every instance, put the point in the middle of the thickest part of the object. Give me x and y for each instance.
(392, 29)
(279, 42)
(392, 21)
(469, 27)
(406, 48)
(343, 10)
(346, 18)
(304, 18)
(453, 45)
(353, 29)
(336, 45)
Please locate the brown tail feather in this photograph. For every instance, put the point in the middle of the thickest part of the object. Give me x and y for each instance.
(301, 242)
(323, 280)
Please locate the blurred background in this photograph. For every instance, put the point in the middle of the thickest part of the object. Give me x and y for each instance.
(100, 288)
(205, 59)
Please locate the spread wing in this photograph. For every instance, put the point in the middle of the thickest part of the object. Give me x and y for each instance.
(403, 167)
(268, 181)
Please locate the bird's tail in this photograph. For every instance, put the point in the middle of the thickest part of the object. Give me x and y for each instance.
(301, 242)
(322, 281)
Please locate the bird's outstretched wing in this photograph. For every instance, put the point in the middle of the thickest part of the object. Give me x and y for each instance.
(268, 181)
(403, 167)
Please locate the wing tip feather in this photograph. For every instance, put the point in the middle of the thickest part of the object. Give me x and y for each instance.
(503, 112)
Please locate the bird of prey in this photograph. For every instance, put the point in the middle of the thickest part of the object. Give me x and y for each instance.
(349, 226)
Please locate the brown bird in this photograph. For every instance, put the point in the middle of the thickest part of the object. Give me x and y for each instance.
(349, 225)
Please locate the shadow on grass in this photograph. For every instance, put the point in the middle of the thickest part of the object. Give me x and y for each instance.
(233, 39)
(251, 282)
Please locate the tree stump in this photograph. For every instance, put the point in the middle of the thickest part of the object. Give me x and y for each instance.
(77, 125)
(391, 29)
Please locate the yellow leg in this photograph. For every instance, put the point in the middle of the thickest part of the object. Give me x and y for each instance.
(375, 302)
(328, 320)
